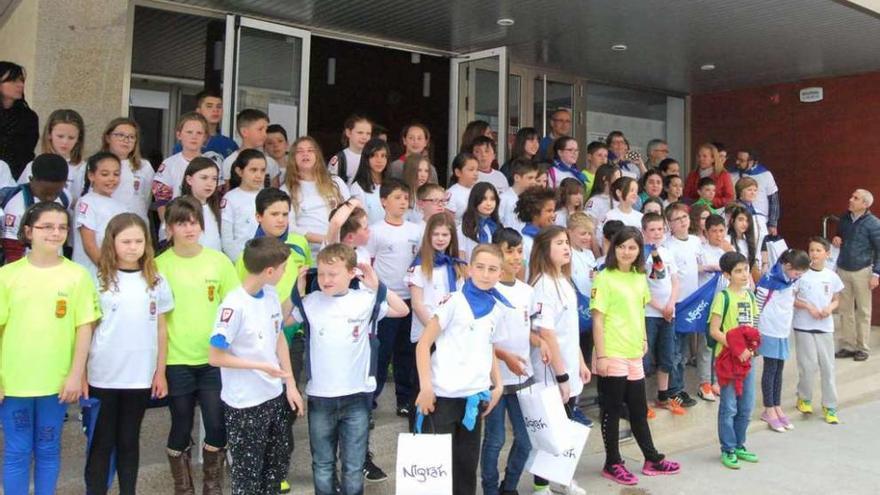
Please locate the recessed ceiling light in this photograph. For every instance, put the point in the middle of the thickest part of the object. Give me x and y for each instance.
(505, 22)
(707, 67)
(619, 47)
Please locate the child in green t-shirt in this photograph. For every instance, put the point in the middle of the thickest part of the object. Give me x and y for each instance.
(731, 308)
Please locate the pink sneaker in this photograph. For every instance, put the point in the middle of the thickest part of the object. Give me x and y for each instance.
(661, 467)
(620, 474)
(774, 423)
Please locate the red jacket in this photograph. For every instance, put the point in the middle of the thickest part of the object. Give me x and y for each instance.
(728, 367)
(724, 192)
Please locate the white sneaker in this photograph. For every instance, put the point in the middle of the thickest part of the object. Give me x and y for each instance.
(572, 489)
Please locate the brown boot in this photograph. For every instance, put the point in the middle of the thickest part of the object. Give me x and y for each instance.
(212, 466)
(181, 474)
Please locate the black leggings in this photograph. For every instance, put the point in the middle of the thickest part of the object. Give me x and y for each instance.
(614, 392)
(118, 429)
(182, 408)
(771, 381)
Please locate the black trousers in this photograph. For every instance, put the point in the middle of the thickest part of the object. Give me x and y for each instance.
(446, 418)
(118, 429)
(260, 446)
(614, 393)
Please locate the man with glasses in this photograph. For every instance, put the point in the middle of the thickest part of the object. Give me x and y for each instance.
(658, 150)
(560, 125)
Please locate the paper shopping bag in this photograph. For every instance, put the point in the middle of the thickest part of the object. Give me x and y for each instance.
(424, 464)
(560, 468)
(775, 247)
(544, 415)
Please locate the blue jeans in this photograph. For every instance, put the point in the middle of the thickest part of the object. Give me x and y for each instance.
(493, 441)
(662, 351)
(734, 413)
(343, 423)
(394, 346)
(32, 432)
(682, 349)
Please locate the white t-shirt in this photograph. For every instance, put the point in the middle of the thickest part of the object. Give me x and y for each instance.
(457, 200)
(598, 207)
(371, 201)
(13, 212)
(583, 262)
(466, 245)
(631, 219)
(515, 329)
(93, 212)
(171, 173)
(249, 326)
(339, 342)
(393, 249)
(73, 171)
(554, 307)
(6, 179)
(776, 316)
(238, 221)
(272, 167)
(507, 210)
(314, 212)
(660, 280)
(461, 365)
(816, 287)
(527, 243)
(711, 255)
(125, 345)
(135, 188)
(766, 187)
(687, 257)
(555, 177)
(433, 291)
(352, 164)
(211, 235)
(496, 178)
(742, 246)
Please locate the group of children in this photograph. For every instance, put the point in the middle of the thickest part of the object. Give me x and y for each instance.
(276, 267)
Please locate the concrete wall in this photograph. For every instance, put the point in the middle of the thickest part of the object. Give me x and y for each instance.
(77, 54)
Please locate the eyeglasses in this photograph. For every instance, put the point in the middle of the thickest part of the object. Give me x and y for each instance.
(680, 219)
(52, 228)
(434, 201)
(123, 137)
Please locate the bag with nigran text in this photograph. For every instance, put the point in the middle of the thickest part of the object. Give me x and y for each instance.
(545, 418)
(424, 464)
(560, 468)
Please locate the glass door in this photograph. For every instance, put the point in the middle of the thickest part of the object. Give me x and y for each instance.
(267, 68)
(478, 91)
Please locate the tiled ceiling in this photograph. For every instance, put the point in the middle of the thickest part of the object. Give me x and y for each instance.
(751, 42)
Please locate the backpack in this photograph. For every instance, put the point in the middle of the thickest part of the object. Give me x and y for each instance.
(311, 286)
(338, 160)
(710, 342)
(7, 193)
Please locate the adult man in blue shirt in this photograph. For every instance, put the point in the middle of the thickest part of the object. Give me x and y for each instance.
(560, 125)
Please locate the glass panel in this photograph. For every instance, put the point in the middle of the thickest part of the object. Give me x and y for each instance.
(513, 96)
(640, 115)
(269, 66)
(478, 94)
(559, 95)
(538, 106)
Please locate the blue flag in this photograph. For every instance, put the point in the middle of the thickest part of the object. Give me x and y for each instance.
(692, 314)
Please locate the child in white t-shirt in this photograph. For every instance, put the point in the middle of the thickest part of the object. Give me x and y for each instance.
(252, 126)
(192, 133)
(480, 220)
(569, 200)
(625, 192)
(817, 295)
(346, 163)
(513, 355)
(368, 180)
(524, 172)
(393, 245)
(465, 175)
(126, 364)
(599, 201)
(200, 182)
(238, 222)
(483, 149)
(536, 209)
(436, 271)
(583, 268)
(121, 137)
(259, 390)
(95, 209)
(460, 372)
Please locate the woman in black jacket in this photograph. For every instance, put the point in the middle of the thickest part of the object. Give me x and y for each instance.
(19, 125)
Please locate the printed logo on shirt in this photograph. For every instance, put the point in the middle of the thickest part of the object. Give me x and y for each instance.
(161, 168)
(223, 203)
(525, 316)
(60, 308)
(333, 164)
(226, 315)
(593, 292)
(355, 333)
(153, 308)
(10, 220)
(83, 207)
(539, 308)
(137, 185)
(211, 290)
(445, 298)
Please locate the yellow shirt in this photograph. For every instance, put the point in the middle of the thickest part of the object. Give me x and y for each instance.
(741, 310)
(40, 309)
(298, 258)
(621, 297)
(198, 284)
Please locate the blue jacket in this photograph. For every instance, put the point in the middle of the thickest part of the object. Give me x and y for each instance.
(861, 242)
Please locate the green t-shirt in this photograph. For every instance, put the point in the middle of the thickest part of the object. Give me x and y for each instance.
(291, 272)
(40, 309)
(198, 284)
(707, 204)
(741, 310)
(621, 297)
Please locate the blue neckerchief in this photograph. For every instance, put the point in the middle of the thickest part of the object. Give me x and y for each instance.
(530, 230)
(472, 408)
(758, 169)
(650, 248)
(443, 259)
(283, 238)
(775, 279)
(557, 164)
(486, 228)
(482, 301)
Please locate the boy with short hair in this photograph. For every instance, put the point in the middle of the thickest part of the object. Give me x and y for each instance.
(713, 250)
(483, 149)
(258, 386)
(430, 200)
(349, 225)
(393, 245)
(597, 155)
(735, 306)
(251, 125)
(209, 104)
(663, 284)
(341, 322)
(817, 296)
(277, 146)
(706, 190)
(525, 173)
(583, 263)
(513, 354)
